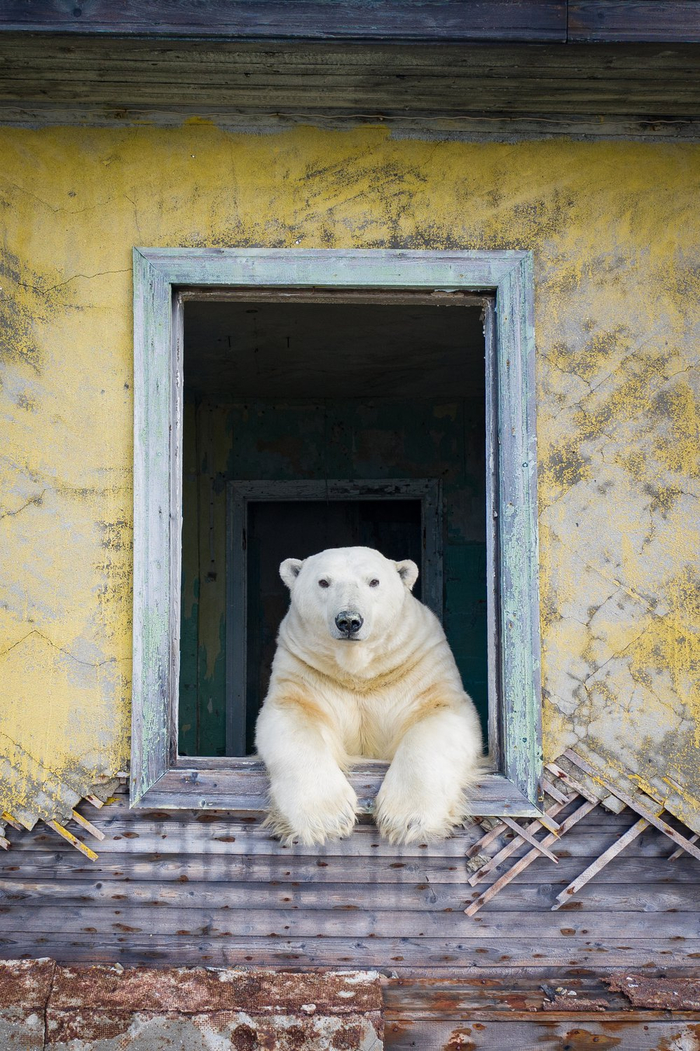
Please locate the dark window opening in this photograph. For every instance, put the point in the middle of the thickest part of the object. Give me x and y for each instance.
(282, 392)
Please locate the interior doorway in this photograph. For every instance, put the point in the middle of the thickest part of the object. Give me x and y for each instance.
(318, 390)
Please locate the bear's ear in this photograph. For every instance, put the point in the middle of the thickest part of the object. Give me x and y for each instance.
(289, 570)
(408, 571)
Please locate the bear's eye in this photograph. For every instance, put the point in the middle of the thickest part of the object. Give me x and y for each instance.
(374, 583)
(324, 584)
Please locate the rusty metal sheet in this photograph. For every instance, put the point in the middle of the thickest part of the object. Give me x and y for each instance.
(43, 1006)
(24, 991)
(124, 1031)
(194, 990)
(673, 994)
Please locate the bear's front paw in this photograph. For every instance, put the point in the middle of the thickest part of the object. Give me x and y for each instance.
(313, 817)
(404, 816)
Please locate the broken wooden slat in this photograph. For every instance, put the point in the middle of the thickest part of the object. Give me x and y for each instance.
(4, 843)
(529, 838)
(87, 825)
(10, 820)
(555, 792)
(73, 840)
(681, 850)
(486, 839)
(549, 823)
(510, 848)
(572, 782)
(631, 802)
(523, 863)
(601, 862)
(95, 801)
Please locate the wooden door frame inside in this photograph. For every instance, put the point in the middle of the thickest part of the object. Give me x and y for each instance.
(240, 494)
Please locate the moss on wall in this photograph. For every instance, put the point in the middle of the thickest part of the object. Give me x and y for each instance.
(614, 231)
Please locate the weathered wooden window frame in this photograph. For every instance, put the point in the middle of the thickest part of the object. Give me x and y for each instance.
(162, 278)
(240, 494)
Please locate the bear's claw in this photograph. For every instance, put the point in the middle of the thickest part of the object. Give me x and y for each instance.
(313, 826)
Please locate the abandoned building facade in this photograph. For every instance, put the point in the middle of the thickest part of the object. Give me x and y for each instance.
(419, 277)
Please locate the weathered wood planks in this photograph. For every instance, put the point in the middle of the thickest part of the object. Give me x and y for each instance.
(400, 20)
(412, 896)
(642, 81)
(586, 1033)
(216, 889)
(630, 873)
(416, 956)
(395, 20)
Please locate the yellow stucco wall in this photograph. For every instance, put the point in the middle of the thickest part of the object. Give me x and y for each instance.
(615, 232)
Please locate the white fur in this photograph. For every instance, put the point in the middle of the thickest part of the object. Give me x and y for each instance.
(393, 693)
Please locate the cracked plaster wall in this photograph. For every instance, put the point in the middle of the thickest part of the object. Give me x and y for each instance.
(614, 231)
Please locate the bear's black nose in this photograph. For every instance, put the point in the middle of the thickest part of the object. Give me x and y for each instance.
(349, 622)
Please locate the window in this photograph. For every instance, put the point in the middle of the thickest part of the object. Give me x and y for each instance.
(326, 291)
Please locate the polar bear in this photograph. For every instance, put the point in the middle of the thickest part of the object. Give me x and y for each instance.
(363, 669)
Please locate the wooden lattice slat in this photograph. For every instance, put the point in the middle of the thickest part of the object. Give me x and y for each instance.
(528, 858)
(564, 779)
(87, 825)
(636, 805)
(572, 782)
(510, 848)
(680, 851)
(529, 838)
(73, 840)
(599, 864)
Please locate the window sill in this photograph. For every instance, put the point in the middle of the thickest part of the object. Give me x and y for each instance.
(242, 784)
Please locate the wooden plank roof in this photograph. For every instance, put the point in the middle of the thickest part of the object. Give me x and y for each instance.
(674, 21)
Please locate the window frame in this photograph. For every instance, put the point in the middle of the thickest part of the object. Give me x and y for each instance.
(162, 278)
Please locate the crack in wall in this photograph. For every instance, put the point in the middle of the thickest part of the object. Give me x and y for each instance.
(88, 664)
(32, 501)
(74, 277)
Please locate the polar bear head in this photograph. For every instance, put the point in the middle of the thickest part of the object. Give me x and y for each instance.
(349, 595)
